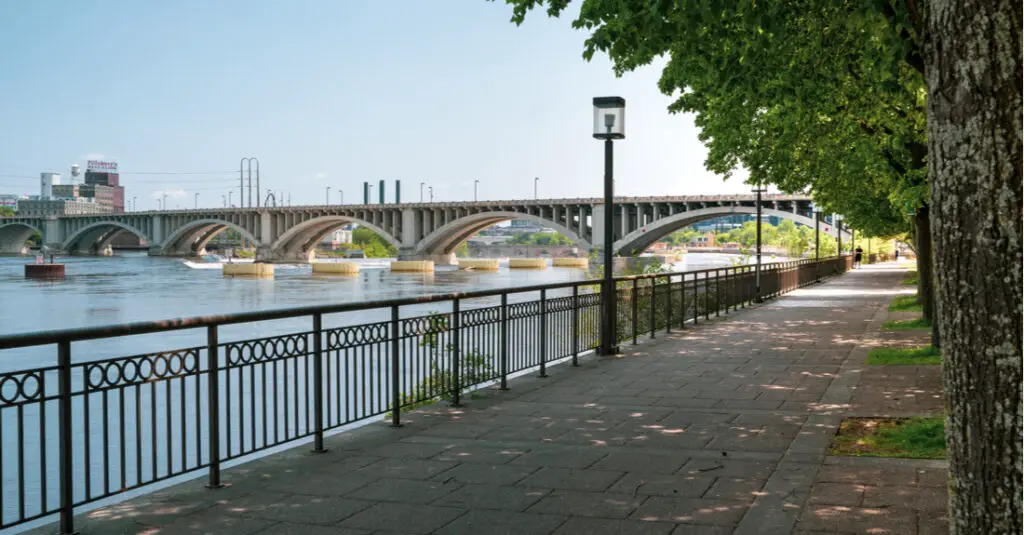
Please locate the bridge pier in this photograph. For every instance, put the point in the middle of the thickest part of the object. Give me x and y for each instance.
(439, 259)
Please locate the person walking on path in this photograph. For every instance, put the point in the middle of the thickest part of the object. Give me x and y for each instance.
(857, 254)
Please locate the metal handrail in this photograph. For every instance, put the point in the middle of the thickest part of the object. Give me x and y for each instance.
(12, 341)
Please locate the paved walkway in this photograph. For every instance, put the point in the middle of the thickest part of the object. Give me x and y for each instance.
(719, 429)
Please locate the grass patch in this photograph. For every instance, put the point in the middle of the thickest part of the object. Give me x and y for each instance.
(915, 438)
(905, 303)
(919, 323)
(904, 355)
(910, 279)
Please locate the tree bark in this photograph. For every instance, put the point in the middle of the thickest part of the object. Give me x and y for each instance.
(973, 66)
(925, 275)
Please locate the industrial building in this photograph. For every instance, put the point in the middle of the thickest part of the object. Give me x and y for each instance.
(101, 193)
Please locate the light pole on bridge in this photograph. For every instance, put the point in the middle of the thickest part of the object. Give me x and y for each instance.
(421, 190)
(609, 125)
(246, 164)
(327, 196)
(537, 179)
(230, 204)
(135, 203)
(475, 184)
(341, 196)
(165, 201)
(195, 204)
(225, 199)
(369, 190)
(431, 190)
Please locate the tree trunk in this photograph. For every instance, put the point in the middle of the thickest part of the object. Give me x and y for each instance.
(925, 276)
(973, 65)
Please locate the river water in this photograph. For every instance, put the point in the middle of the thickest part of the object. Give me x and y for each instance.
(131, 287)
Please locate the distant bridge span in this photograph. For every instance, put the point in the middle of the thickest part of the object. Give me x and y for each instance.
(417, 230)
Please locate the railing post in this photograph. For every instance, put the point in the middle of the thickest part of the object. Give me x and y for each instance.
(575, 326)
(707, 296)
(396, 347)
(456, 357)
(503, 359)
(718, 293)
(654, 297)
(543, 334)
(668, 305)
(318, 384)
(682, 301)
(213, 405)
(67, 497)
(633, 307)
(696, 300)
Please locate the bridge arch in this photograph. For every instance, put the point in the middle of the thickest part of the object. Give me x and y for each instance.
(92, 238)
(446, 238)
(14, 235)
(191, 238)
(299, 242)
(642, 238)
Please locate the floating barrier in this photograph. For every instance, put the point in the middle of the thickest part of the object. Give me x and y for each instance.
(255, 269)
(44, 271)
(336, 268)
(480, 264)
(527, 263)
(412, 265)
(570, 261)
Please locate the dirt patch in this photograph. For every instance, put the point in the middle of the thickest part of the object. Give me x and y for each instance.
(918, 438)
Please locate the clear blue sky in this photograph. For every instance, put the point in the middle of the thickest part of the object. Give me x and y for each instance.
(326, 93)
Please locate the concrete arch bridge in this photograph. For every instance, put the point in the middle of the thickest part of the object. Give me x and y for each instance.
(417, 230)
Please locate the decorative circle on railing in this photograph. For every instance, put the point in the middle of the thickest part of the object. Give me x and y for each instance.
(268, 349)
(20, 387)
(141, 369)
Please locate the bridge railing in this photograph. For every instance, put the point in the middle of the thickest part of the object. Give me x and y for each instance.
(209, 390)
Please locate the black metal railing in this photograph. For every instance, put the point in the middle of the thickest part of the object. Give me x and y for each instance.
(77, 432)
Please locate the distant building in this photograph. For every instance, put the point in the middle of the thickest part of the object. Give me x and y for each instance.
(55, 207)
(102, 175)
(336, 238)
(10, 201)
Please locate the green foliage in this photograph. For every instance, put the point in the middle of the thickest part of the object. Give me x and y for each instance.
(919, 323)
(7, 211)
(904, 355)
(905, 303)
(910, 279)
(462, 251)
(244, 253)
(819, 96)
(372, 244)
(539, 238)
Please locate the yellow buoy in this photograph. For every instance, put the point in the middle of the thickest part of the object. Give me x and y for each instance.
(570, 261)
(336, 268)
(480, 264)
(527, 263)
(255, 269)
(412, 265)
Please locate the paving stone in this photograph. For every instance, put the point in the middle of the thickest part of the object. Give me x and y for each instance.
(561, 457)
(850, 494)
(567, 478)
(726, 467)
(929, 522)
(890, 475)
(323, 510)
(694, 529)
(641, 462)
(730, 488)
(482, 474)
(933, 477)
(404, 518)
(857, 519)
(405, 490)
(663, 485)
(458, 430)
(289, 528)
(516, 498)
(405, 468)
(688, 417)
(502, 523)
(692, 510)
(481, 452)
(593, 504)
(764, 440)
(319, 484)
(604, 526)
(919, 498)
(210, 524)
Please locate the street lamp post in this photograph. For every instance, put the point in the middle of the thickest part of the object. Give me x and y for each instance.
(537, 179)
(421, 190)
(246, 164)
(230, 203)
(757, 268)
(327, 196)
(609, 125)
(817, 241)
(225, 199)
(369, 190)
(135, 203)
(431, 190)
(839, 234)
(195, 204)
(165, 201)
(475, 184)
(341, 196)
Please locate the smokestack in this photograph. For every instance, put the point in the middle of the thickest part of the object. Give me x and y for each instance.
(366, 193)
(398, 192)
(381, 191)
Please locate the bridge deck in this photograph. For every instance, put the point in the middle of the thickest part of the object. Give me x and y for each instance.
(718, 429)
